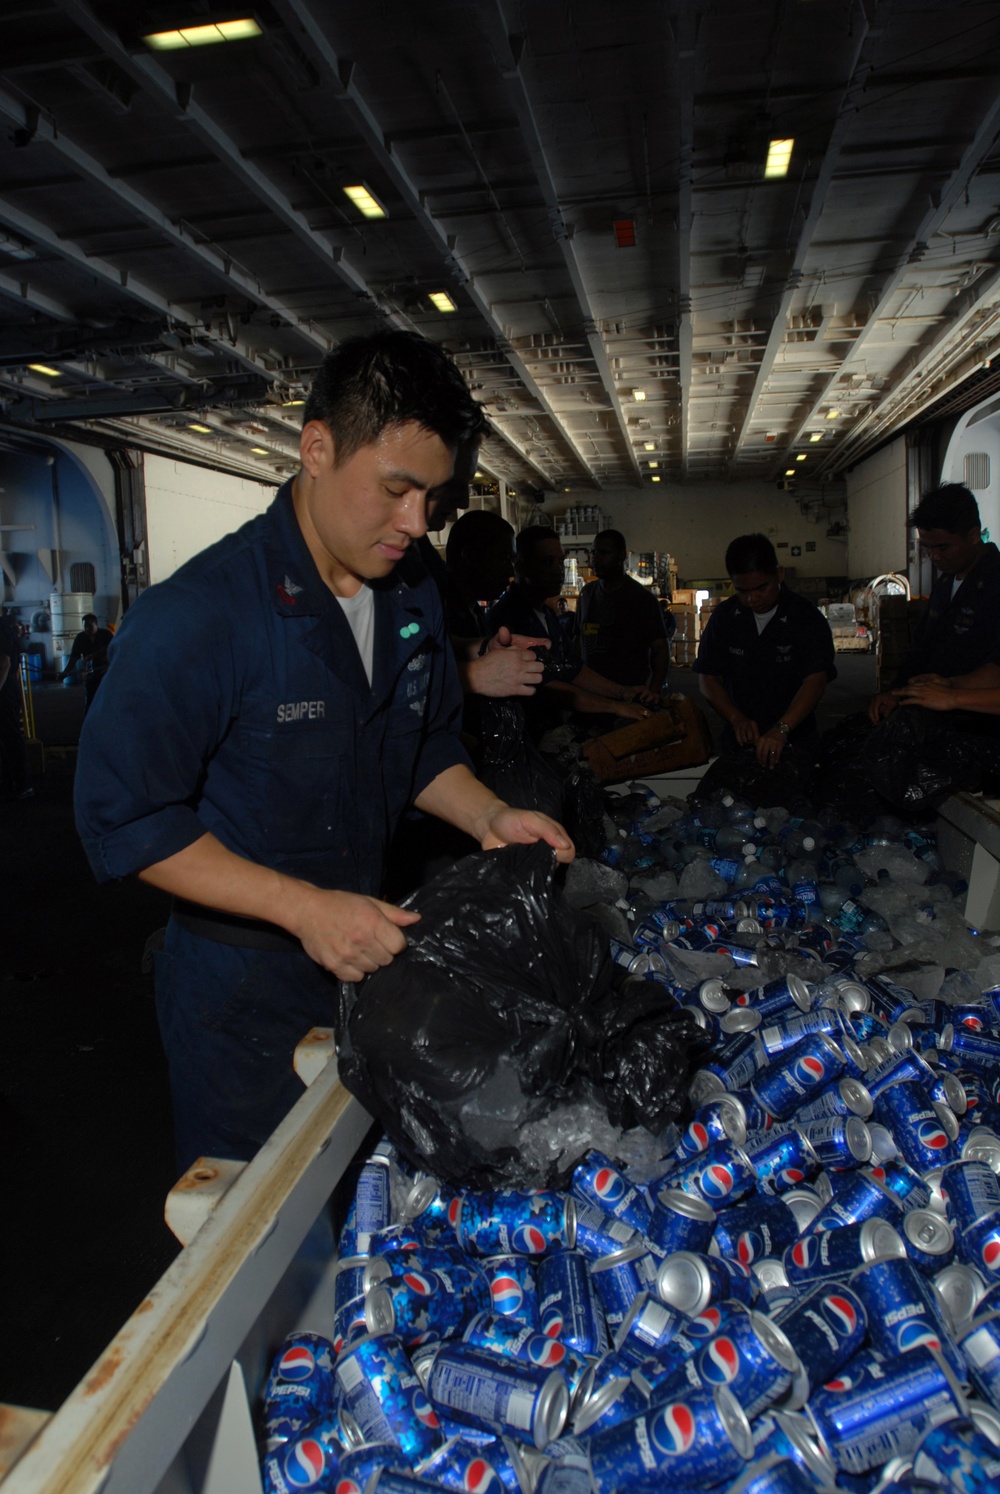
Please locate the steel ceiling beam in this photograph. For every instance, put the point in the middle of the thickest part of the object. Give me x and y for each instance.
(182, 103)
(510, 47)
(24, 294)
(341, 73)
(220, 265)
(869, 34)
(685, 29)
(943, 199)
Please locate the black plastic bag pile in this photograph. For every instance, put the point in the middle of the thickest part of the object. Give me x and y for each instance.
(504, 1006)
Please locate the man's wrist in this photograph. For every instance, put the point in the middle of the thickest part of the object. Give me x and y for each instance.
(782, 727)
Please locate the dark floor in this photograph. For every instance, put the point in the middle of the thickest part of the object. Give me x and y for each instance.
(83, 1098)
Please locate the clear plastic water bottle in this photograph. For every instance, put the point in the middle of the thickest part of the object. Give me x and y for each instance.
(802, 880)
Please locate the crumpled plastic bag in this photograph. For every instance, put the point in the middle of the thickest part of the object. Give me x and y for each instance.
(503, 1008)
(917, 758)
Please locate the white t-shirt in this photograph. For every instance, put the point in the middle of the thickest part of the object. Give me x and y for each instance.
(763, 618)
(360, 613)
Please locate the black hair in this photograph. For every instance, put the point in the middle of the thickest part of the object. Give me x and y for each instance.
(370, 383)
(529, 539)
(615, 536)
(89, 617)
(479, 526)
(951, 507)
(751, 552)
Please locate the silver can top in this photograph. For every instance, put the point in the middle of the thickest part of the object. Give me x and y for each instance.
(955, 1096)
(853, 997)
(900, 1038)
(687, 1204)
(799, 992)
(594, 1407)
(948, 1119)
(959, 1289)
(376, 1270)
(879, 1240)
(380, 1315)
(884, 1147)
(734, 1419)
(770, 1273)
(804, 1203)
(712, 997)
(928, 1232)
(552, 1410)
(683, 1282)
(982, 1145)
(858, 1138)
(740, 1019)
(776, 1343)
(856, 1097)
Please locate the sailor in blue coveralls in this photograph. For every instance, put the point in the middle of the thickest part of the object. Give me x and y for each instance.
(269, 713)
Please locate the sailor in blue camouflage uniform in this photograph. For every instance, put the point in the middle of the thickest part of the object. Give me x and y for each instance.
(269, 713)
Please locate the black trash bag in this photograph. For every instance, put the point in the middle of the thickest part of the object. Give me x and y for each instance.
(584, 804)
(644, 1063)
(840, 779)
(916, 758)
(740, 772)
(490, 1019)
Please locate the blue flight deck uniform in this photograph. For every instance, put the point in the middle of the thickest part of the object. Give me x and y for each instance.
(236, 703)
(762, 672)
(957, 633)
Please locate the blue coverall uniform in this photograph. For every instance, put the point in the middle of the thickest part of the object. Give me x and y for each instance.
(236, 703)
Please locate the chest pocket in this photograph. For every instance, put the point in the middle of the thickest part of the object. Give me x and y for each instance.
(298, 776)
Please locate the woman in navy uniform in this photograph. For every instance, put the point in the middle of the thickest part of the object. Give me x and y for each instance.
(269, 713)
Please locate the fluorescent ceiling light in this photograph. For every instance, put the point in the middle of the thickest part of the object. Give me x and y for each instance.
(653, 466)
(654, 479)
(816, 436)
(789, 471)
(441, 301)
(367, 204)
(638, 395)
(287, 404)
(779, 158)
(832, 414)
(202, 36)
(801, 457)
(649, 445)
(205, 430)
(43, 368)
(259, 450)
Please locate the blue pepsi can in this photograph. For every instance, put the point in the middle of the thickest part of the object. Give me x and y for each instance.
(874, 1408)
(514, 1223)
(751, 1357)
(423, 1257)
(420, 1306)
(597, 1235)
(841, 1142)
(692, 1282)
(979, 1245)
(796, 1074)
(647, 1329)
(720, 1175)
(396, 1238)
(462, 1466)
(976, 1050)
(383, 1400)
(754, 1230)
(617, 1283)
(777, 1037)
(699, 1438)
(904, 1311)
(510, 1399)
(900, 1179)
(782, 1158)
(513, 1282)
(960, 1454)
(568, 1308)
(929, 1240)
(834, 1254)
(309, 1461)
(597, 1181)
(359, 1463)
(299, 1388)
(433, 1212)
(792, 1437)
(787, 994)
(716, 1120)
(846, 1096)
(372, 1201)
(980, 1346)
(611, 1393)
(505, 1336)
(920, 1129)
(906, 1065)
(680, 1221)
(972, 1190)
(864, 1195)
(889, 1000)
(825, 1327)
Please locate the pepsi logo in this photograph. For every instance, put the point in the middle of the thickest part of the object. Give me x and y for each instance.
(842, 1382)
(609, 1185)
(840, 1314)
(553, 1326)
(697, 1135)
(672, 1429)
(804, 1252)
(917, 1334)
(930, 1134)
(304, 1463)
(480, 1477)
(418, 1284)
(529, 1240)
(790, 1176)
(742, 999)
(546, 1352)
(705, 1324)
(975, 1024)
(455, 1212)
(809, 1070)
(747, 1247)
(506, 1293)
(716, 1181)
(991, 1254)
(878, 1173)
(720, 1361)
(296, 1363)
(424, 1411)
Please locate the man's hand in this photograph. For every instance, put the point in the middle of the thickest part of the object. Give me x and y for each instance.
(882, 707)
(506, 826)
(504, 638)
(933, 696)
(746, 732)
(348, 934)
(505, 671)
(770, 746)
(642, 695)
(944, 680)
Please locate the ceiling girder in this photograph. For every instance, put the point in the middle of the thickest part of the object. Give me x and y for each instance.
(245, 389)
(685, 29)
(341, 73)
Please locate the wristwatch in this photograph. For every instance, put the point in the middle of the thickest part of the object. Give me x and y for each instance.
(783, 727)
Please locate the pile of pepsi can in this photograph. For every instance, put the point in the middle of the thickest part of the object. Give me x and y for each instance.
(804, 1293)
